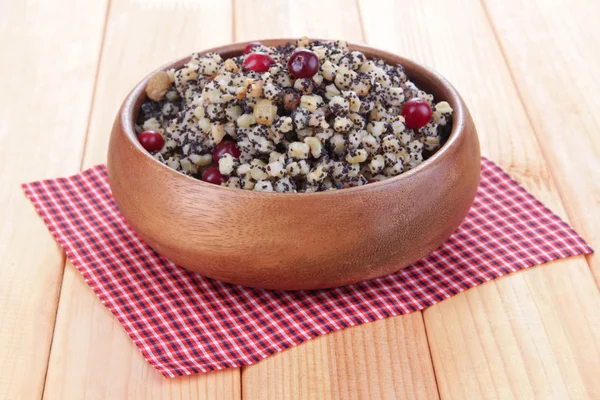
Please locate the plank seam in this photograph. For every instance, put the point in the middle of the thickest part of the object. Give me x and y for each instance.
(437, 385)
(87, 129)
(435, 377)
(360, 22)
(234, 39)
(95, 88)
(63, 262)
(233, 22)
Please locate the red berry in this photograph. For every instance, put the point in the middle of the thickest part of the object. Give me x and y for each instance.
(250, 45)
(212, 175)
(416, 113)
(151, 140)
(259, 62)
(225, 147)
(303, 64)
(372, 181)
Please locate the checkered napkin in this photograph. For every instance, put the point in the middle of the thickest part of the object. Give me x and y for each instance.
(184, 323)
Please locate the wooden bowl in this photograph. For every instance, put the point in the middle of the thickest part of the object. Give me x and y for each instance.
(297, 240)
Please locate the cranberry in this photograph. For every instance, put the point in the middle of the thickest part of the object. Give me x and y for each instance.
(225, 147)
(416, 113)
(372, 181)
(303, 64)
(259, 62)
(212, 175)
(250, 45)
(151, 140)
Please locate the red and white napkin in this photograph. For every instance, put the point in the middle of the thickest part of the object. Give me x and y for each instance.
(184, 323)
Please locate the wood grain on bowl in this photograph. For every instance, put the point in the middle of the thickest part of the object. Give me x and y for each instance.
(304, 240)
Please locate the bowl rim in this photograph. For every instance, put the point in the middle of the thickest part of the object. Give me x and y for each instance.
(459, 120)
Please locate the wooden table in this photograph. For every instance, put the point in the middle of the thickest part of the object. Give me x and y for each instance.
(530, 73)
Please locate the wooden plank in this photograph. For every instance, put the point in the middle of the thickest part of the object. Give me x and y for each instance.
(552, 49)
(50, 54)
(384, 359)
(92, 357)
(335, 19)
(535, 333)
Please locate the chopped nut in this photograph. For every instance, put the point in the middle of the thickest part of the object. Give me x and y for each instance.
(298, 150)
(320, 51)
(395, 96)
(324, 135)
(226, 164)
(304, 167)
(151, 124)
(431, 142)
(263, 186)
(344, 77)
(284, 185)
(315, 146)
(353, 99)
(339, 105)
(233, 113)
(201, 160)
(370, 144)
(271, 91)
(246, 120)
(158, 85)
(188, 166)
(441, 112)
(233, 182)
(293, 169)
(303, 42)
(247, 183)
(317, 79)
(276, 156)
(300, 118)
(328, 70)
(265, 111)
(358, 121)
(283, 124)
(398, 126)
(243, 169)
(231, 66)
(331, 91)
(217, 132)
(376, 128)
(354, 139)
(255, 88)
(171, 74)
(377, 164)
(309, 102)
(291, 101)
(304, 85)
(241, 93)
(353, 170)
(275, 169)
(316, 176)
(258, 172)
(361, 87)
(173, 163)
(356, 156)
(342, 124)
(199, 112)
(390, 144)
